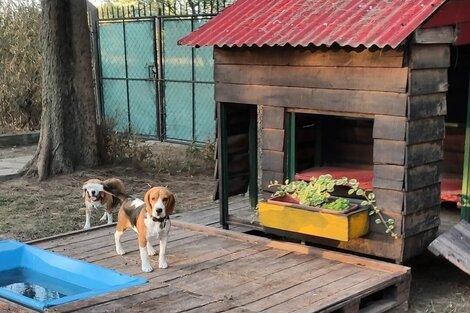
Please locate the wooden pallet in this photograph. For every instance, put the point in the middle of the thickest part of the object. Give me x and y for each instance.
(215, 270)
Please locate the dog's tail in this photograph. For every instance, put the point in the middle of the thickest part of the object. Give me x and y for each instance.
(116, 192)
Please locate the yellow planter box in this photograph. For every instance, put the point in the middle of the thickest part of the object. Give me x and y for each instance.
(314, 222)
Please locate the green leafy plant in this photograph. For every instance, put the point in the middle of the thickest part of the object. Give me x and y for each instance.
(318, 193)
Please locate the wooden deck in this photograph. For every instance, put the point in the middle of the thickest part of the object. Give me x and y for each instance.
(215, 270)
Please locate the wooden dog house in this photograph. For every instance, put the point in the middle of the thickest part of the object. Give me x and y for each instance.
(377, 92)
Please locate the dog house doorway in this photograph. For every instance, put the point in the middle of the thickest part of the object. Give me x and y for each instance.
(237, 159)
(328, 144)
(455, 167)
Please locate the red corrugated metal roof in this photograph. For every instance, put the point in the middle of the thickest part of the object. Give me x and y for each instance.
(318, 22)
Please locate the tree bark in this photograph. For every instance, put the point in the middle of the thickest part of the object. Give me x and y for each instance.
(69, 131)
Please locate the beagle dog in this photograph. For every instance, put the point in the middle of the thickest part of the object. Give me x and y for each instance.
(96, 198)
(149, 218)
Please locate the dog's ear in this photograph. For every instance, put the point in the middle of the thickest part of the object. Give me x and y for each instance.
(170, 208)
(148, 205)
(83, 191)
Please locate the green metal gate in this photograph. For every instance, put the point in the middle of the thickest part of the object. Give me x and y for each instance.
(150, 86)
(188, 85)
(127, 55)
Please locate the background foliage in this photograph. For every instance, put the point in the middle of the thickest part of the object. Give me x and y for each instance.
(20, 64)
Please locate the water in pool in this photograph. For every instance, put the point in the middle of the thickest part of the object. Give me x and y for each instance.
(37, 286)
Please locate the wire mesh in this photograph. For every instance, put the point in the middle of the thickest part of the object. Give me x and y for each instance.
(127, 53)
(164, 8)
(131, 69)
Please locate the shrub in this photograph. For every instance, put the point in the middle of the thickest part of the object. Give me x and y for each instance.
(20, 64)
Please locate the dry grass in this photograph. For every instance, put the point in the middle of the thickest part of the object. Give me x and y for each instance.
(56, 205)
(158, 157)
(20, 64)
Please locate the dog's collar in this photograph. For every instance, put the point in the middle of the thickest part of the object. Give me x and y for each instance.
(160, 219)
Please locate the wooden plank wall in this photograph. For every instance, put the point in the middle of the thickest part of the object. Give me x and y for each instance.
(408, 151)
(272, 147)
(405, 96)
(427, 107)
(334, 81)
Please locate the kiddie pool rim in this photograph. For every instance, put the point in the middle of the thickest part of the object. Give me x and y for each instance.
(19, 248)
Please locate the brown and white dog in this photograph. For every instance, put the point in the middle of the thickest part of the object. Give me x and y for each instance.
(149, 218)
(96, 198)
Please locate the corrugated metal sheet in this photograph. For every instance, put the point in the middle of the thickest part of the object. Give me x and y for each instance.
(318, 22)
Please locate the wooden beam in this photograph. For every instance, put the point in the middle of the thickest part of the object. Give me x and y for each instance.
(425, 130)
(314, 56)
(388, 176)
(253, 157)
(445, 34)
(427, 106)
(389, 127)
(273, 160)
(291, 153)
(350, 78)
(430, 56)
(415, 245)
(454, 245)
(273, 139)
(422, 176)
(423, 198)
(273, 117)
(223, 188)
(389, 152)
(420, 221)
(428, 81)
(391, 200)
(424, 153)
(371, 102)
(222, 191)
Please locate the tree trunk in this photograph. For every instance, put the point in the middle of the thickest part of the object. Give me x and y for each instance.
(69, 131)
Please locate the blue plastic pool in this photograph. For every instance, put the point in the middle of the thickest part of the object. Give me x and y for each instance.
(39, 279)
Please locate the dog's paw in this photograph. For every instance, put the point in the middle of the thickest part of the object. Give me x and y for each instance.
(151, 250)
(87, 226)
(147, 268)
(162, 264)
(120, 251)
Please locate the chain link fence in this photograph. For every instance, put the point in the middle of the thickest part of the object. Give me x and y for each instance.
(150, 86)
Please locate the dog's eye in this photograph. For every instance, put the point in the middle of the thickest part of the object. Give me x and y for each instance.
(153, 199)
(164, 199)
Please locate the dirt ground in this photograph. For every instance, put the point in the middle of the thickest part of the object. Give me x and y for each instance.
(30, 210)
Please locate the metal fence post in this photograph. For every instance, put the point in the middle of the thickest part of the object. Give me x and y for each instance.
(160, 78)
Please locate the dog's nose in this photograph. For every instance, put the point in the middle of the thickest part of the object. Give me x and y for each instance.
(92, 192)
(159, 211)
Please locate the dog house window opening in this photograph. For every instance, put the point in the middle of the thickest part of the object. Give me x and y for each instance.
(317, 141)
